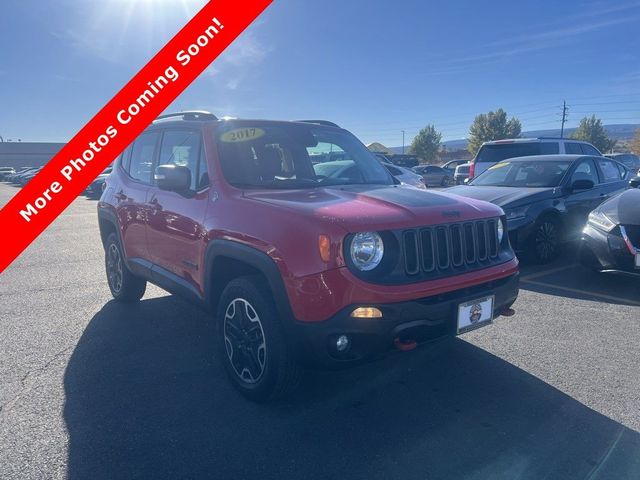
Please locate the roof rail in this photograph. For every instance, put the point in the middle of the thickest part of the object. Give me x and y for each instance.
(326, 123)
(189, 115)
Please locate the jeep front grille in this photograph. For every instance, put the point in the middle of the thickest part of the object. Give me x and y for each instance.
(444, 248)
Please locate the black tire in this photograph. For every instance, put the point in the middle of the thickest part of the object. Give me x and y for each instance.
(252, 344)
(445, 182)
(124, 285)
(545, 242)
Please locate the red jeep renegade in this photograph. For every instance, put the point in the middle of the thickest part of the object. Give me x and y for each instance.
(301, 242)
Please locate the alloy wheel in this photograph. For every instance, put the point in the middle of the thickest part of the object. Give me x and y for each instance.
(547, 241)
(245, 341)
(115, 271)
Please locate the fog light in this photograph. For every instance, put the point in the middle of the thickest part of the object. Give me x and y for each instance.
(342, 343)
(366, 312)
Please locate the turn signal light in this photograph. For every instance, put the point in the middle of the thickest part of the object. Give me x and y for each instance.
(324, 244)
(366, 312)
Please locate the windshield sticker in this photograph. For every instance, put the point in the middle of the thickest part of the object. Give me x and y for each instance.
(242, 135)
(499, 165)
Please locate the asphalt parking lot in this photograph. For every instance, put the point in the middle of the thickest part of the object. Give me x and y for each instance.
(93, 389)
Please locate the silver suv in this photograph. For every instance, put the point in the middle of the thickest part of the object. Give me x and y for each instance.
(496, 151)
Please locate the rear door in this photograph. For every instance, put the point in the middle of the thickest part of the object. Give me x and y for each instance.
(175, 231)
(131, 197)
(614, 178)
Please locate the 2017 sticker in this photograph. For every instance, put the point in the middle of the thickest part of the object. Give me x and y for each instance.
(242, 135)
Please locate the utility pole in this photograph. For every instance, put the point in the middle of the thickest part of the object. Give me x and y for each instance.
(564, 117)
(403, 142)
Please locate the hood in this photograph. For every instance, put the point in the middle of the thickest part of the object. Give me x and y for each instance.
(623, 209)
(377, 207)
(503, 196)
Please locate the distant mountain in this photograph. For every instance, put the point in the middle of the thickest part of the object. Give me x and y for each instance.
(622, 131)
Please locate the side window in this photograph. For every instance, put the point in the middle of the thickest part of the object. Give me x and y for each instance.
(586, 170)
(572, 148)
(549, 148)
(142, 155)
(623, 171)
(589, 150)
(182, 148)
(125, 159)
(610, 172)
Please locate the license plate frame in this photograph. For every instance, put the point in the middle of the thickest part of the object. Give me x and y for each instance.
(467, 311)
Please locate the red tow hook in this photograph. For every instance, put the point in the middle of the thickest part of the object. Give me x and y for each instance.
(508, 312)
(404, 345)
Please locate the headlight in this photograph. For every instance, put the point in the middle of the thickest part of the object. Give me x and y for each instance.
(500, 231)
(516, 213)
(367, 250)
(601, 221)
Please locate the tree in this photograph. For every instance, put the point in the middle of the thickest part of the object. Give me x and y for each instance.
(426, 144)
(492, 126)
(591, 130)
(635, 143)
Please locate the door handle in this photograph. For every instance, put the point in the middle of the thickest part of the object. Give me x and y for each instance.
(120, 196)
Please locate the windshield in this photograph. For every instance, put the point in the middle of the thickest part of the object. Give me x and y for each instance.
(501, 151)
(523, 174)
(295, 156)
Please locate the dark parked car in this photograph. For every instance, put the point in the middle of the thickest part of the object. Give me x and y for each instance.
(611, 238)
(547, 198)
(434, 176)
(298, 265)
(94, 190)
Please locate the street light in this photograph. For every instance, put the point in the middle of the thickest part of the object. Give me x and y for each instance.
(403, 142)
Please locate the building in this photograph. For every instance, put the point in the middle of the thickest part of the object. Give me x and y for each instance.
(27, 154)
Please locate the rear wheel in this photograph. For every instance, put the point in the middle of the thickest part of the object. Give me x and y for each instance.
(124, 285)
(252, 343)
(545, 240)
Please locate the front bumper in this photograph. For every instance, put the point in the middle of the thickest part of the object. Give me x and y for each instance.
(608, 251)
(419, 320)
(520, 231)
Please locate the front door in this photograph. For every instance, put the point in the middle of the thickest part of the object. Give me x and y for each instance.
(579, 203)
(175, 233)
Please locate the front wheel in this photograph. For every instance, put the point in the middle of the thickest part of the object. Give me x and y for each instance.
(252, 343)
(545, 240)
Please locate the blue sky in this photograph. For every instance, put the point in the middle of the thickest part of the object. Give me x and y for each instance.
(374, 67)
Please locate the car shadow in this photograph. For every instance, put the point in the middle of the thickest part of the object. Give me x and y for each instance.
(146, 398)
(567, 278)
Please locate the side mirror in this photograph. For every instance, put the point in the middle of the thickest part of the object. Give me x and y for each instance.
(582, 184)
(635, 182)
(173, 177)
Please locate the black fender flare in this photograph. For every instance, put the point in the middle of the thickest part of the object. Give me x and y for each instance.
(254, 258)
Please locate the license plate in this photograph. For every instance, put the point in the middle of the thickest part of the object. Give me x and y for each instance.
(637, 260)
(475, 314)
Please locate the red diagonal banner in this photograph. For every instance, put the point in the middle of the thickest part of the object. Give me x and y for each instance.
(121, 120)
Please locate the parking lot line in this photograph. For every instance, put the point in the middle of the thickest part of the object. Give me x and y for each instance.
(584, 292)
(543, 273)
